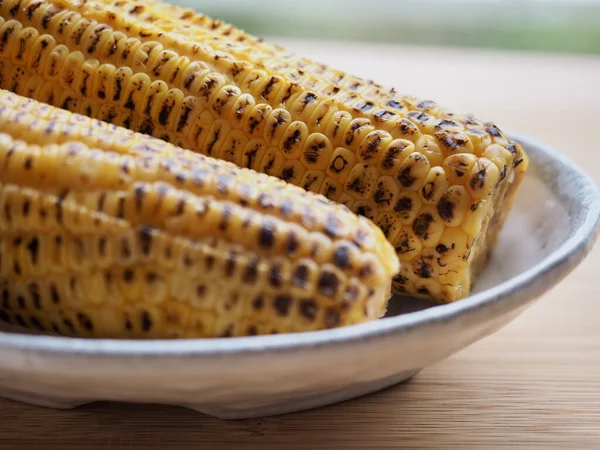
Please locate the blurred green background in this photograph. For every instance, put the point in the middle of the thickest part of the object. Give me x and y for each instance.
(546, 25)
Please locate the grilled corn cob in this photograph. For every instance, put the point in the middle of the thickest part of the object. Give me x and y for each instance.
(106, 232)
(438, 184)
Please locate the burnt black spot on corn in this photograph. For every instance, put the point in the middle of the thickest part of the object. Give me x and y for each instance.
(441, 248)
(203, 84)
(342, 257)
(123, 253)
(445, 208)
(421, 225)
(282, 305)
(308, 309)
(423, 268)
(403, 205)
(328, 283)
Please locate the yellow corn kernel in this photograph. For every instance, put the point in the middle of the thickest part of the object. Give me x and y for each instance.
(370, 149)
(342, 162)
(292, 171)
(386, 193)
(475, 217)
(331, 189)
(434, 186)
(388, 223)
(407, 207)
(361, 181)
(452, 142)
(412, 171)
(453, 246)
(407, 244)
(312, 180)
(501, 157)
(482, 179)
(317, 152)
(453, 205)
(428, 146)
(393, 155)
(362, 208)
(480, 139)
(294, 137)
(428, 226)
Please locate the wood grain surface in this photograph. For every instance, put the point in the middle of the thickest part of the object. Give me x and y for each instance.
(533, 384)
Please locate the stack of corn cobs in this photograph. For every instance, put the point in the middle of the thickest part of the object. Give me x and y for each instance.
(109, 228)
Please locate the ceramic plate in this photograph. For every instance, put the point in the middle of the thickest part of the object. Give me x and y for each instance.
(551, 229)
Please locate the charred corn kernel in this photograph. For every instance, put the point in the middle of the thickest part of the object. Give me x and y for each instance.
(312, 180)
(292, 172)
(498, 137)
(424, 121)
(303, 105)
(322, 116)
(337, 126)
(480, 139)
(428, 226)
(257, 120)
(386, 193)
(445, 122)
(389, 224)
(277, 124)
(407, 244)
(501, 157)
(395, 153)
(412, 171)
(361, 181)
(453, 205)
(373, 144)
(137, 238)
(482, 179)
(331, 189)
(293, 140)
(253, 153)
(405, 128)
(454, 141)
(271, 162)
(407, 207)
(458, 167)
(475, 217)
(363, 208)
(425, 265)
(205, 85)
(317, 152)
(428, 146)
(453, 246)
(434, 186)
(342, 162)
(232, 148)
(356, 133)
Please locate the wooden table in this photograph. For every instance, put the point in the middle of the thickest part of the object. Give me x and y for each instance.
(536, 383)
